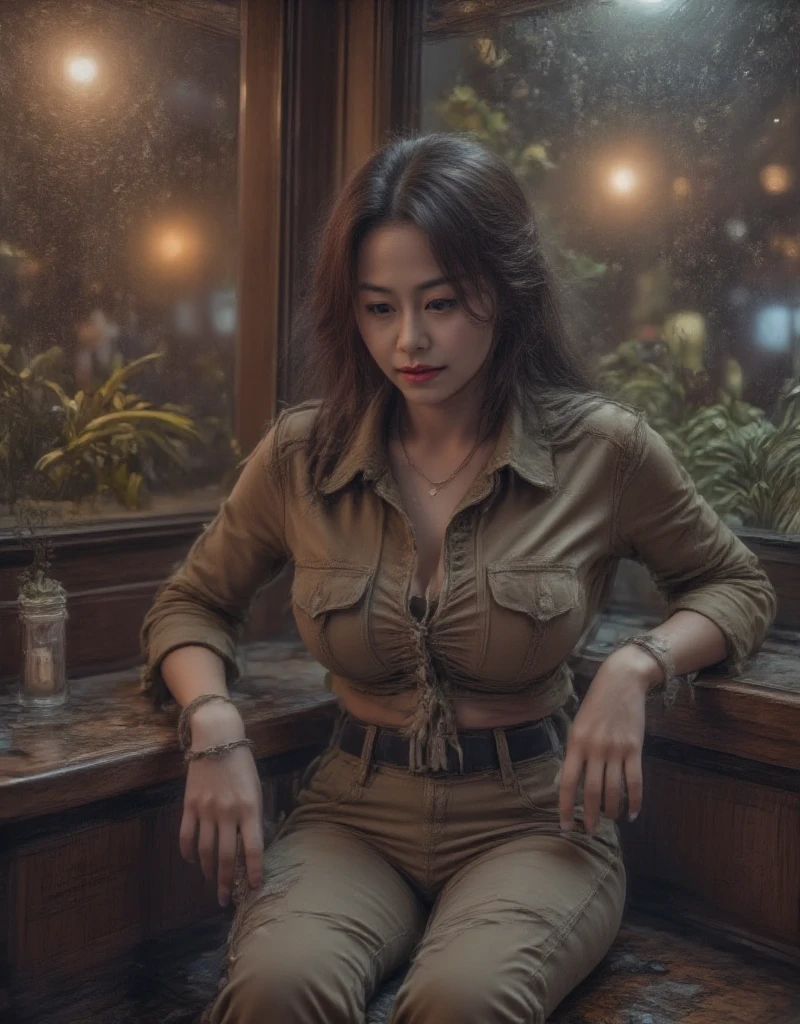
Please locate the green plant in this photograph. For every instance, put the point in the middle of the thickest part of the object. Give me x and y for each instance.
(746, 465)
(463, 110)
(113, 442)
(750, 471)
(28, 422)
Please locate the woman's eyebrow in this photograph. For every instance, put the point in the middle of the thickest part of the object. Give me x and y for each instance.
(434, 282)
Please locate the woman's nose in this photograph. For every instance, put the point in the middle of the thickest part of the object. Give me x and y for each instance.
(412, 336)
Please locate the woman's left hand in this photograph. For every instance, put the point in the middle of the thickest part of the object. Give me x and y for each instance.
(606, 739)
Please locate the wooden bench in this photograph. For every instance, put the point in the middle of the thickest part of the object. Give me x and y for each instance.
(92, 883)
(90, 805)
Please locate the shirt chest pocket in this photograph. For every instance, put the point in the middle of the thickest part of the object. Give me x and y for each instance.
(330, 609)
(533, 617)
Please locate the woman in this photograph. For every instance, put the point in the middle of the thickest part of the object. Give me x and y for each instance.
(454, 510)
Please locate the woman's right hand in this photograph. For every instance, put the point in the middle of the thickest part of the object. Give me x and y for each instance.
(222, 797)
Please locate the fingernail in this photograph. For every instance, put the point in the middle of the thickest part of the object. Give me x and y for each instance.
(566, 826)
(223, 899)
(633, 816)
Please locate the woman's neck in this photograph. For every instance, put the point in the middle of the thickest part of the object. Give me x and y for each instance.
(451, 424)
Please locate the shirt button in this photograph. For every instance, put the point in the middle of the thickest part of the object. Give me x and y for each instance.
(546, 603)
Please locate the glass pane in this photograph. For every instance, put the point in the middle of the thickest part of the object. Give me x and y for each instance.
(118, 254)
(659, 141)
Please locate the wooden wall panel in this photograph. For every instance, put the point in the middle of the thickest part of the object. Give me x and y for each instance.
(177, 893)
(82, 896)
(76, 900)
(722, 843)
(111, 580)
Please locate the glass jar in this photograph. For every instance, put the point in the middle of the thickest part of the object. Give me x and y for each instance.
(43, 620)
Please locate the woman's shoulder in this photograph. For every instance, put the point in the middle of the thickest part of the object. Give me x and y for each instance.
(573, 417)
(614, 421)
(294, 425)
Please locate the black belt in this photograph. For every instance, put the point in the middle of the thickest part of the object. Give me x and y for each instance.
(479, 746)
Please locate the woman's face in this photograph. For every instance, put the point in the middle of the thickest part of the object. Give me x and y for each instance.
(411, 320)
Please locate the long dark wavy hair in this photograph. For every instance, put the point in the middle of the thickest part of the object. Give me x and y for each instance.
(482, 233)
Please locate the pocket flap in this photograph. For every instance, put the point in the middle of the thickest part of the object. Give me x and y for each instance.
(540, 592)
(319, 590)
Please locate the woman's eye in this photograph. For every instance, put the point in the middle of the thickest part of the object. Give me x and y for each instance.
(379, 308)
(441, 305)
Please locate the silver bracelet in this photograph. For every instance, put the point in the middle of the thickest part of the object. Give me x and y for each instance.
(659, 649)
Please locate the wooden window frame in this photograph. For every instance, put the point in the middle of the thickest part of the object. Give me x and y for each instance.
(308, 116)
(779, 554)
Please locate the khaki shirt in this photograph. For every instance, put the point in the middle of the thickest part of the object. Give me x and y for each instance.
(529, 557)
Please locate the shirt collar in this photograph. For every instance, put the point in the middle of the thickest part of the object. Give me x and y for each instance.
(521, 446)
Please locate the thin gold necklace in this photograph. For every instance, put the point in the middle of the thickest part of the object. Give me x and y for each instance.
(435, 485)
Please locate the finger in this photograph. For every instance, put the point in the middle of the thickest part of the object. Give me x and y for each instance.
(570, 776)
(226, 860)
(188, 834)
(613, 789)
(205, 846)
(253, 845)
(593, 792)
(633, 779)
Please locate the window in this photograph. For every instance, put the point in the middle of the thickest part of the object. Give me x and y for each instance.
(659, 141)
(118, 254)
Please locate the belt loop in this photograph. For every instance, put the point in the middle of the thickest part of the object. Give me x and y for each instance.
(338, 728)
(503, 756)
(552, 732)
(366, 754)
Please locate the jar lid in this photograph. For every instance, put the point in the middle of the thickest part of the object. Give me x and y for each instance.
(41, 594)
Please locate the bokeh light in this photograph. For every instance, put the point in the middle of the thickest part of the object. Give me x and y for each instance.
(776, 179)
(171, 245)
(82, 70)
(736, 229)
(175, 245)
(623, 180)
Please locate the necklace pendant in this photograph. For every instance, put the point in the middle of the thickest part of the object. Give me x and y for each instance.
(433, 491)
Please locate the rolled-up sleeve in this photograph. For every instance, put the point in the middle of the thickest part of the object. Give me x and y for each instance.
(697, 562)
(206, 601)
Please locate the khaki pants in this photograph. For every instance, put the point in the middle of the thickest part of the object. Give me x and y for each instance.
(468, 876)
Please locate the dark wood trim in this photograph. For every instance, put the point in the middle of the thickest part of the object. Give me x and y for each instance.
(313, 101)
(405, 59)
(261, 193)
(755, 716)
(459, 18)
(380, 60)
(86, 536)
(746, 769)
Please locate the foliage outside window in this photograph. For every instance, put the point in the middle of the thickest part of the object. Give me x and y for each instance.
(660, 144)
(118, 257)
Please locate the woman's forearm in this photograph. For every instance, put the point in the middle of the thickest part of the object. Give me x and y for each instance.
(695, 640)
(191, 671)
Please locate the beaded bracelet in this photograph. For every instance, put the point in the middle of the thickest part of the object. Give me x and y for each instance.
(659, 649)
